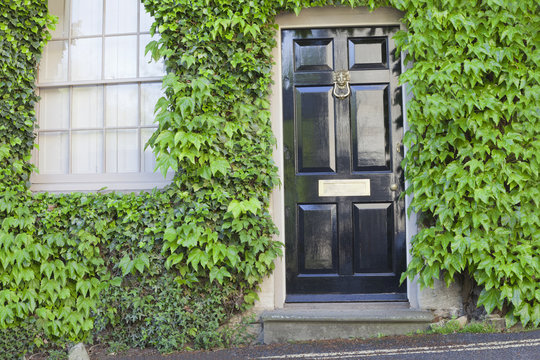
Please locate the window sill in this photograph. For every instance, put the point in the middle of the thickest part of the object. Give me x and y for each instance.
(125, 182)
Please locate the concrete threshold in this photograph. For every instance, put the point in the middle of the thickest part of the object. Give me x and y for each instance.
(301, 322)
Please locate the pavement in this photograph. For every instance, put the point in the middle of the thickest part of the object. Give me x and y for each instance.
(514, 346)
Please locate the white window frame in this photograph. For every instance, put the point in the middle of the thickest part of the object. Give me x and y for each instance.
(128, 181)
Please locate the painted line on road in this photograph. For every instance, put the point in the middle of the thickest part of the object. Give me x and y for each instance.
(494, 345)
(435, 351)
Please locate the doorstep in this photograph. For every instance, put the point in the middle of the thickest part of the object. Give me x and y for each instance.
(324, 321)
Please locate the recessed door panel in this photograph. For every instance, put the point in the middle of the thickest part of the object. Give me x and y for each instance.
(368, 53)
(317, 238)
(315, 126)
(373, 237)
(370, 127)
(313, 54)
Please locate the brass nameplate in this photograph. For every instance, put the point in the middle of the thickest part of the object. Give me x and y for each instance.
(344, 187)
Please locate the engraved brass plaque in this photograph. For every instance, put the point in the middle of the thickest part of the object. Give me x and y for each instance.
(347, 187)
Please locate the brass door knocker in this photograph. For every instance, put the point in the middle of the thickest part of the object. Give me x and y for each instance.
(341, 81)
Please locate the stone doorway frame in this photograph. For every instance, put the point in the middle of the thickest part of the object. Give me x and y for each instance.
(272, 294)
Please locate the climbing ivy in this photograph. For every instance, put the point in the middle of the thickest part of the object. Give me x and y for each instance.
(472, 164)
(61, 255)
(473, 139)
(474, 146)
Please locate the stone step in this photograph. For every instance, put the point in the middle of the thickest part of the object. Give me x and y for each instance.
(302, 322)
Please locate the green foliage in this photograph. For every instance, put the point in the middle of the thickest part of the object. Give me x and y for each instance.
(453, 326)
(73, 263)
(157, 312)
(58, 253)
(473, 142)
(15, 341)
(116, 347)
(57, 355)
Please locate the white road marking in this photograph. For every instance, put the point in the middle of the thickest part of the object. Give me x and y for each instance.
(494, 345)
(436, 351)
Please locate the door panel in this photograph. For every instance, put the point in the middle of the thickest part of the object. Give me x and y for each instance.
(372, 237)
(314, 54)
(315, 129)
(370, 127)
(317, 238)
(368, 53)
(346, 245)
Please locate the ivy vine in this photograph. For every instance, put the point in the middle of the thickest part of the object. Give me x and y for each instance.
(474, 145)
(472, 161)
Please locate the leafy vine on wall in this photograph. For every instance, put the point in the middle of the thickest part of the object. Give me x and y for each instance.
(472, 162)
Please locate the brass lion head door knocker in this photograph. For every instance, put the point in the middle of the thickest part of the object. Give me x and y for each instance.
(341, 80)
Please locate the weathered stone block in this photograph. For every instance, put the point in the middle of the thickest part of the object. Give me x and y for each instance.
(78, 352)
(443, 301)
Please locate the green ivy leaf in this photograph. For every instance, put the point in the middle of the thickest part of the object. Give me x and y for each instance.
(220, 165)
(126, 265)
(490, 299)
(170, 234)
(140, 262)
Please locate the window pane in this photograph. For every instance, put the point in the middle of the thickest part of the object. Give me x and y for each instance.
(121, 105)
(87, 152)
(148, 158)
(146, 20)
(150, 93)
(121, 57)
(121, 16)
(147, 66)
(86, 17)
(122, 151)
(60, 8)
(91, 128)
(87, 107)
(86, 59)
(54, 109)
(53, 66)
(53, 153)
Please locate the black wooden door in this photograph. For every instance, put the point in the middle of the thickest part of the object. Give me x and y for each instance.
(345, 221)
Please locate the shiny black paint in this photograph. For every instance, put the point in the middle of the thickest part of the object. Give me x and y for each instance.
(346, 248)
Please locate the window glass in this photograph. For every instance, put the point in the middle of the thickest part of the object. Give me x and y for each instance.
(53, 66)
(148, 158)
(54, 109)
(53, 153)
(60, 9)
(145, 19)
(87, 152)
(87, 107)
(85, 60)
(86, 17)
(121, 105)
(121, 57)
(148, 67)
(121, 16)
(150, 93)
(122, 151)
